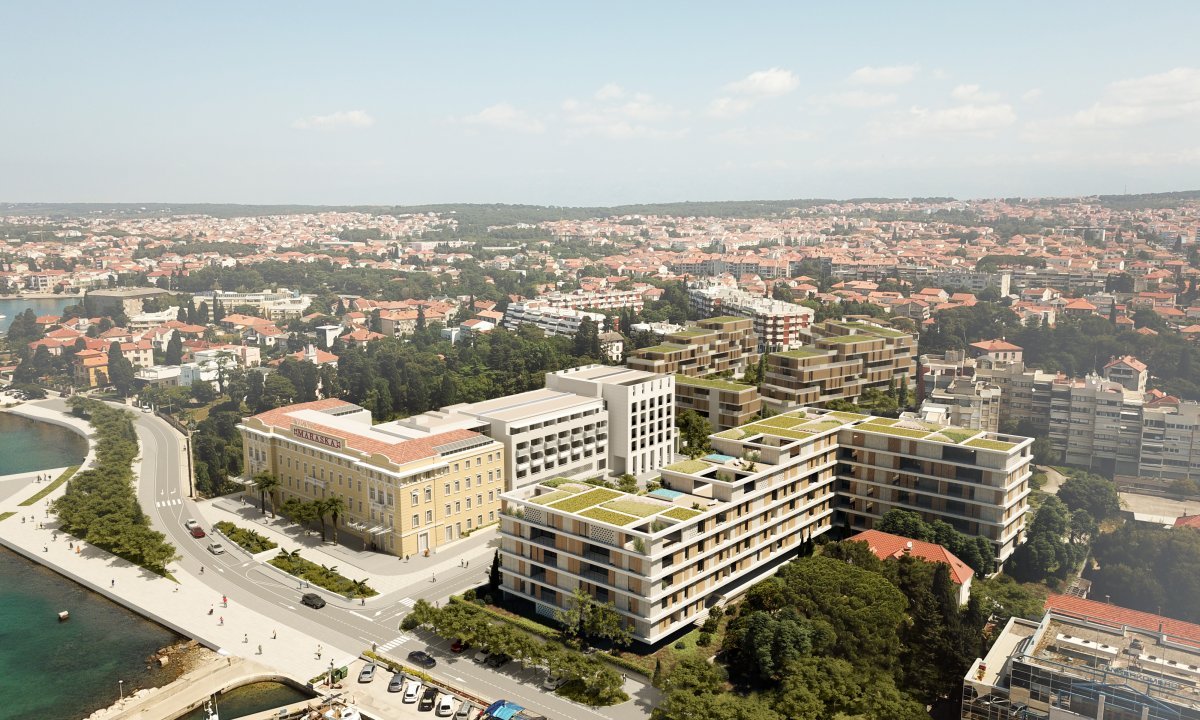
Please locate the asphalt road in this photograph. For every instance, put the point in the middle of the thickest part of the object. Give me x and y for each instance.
(162, 491)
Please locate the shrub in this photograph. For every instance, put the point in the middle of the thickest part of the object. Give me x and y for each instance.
(704, 639)
(249, 540)
(320, 575)
(681, 645)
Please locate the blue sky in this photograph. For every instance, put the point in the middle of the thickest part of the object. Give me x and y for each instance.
(594, 103)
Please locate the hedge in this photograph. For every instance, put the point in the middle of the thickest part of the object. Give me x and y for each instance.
(523, 623)
(320, 575)
(52, 486)
(249, 540)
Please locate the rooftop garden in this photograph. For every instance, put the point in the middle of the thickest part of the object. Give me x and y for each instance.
(664, 348)
(552, 497)
(898, 431)
(712, 383)
(875, 330)
(958, 435)
(821, 426)
(681, 513)
(723, 319)
(688, 466)
(638, 508)
(691, 333)
(575, 503)
(781, 421)
(607, 516)
(991, 444)
(799, 353)
(844, 339)
(847, 416)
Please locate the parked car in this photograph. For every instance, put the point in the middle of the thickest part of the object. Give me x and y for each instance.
(482, 656)
(466, 711)
(396, 684)
(498, 660)
(197, 531)
(422, 658)
(216, 548)
(412, 690)
(313, 600)
(553, 681)
(191, 523)
(445, 705)
(427, 699)
(367, 674)
(458, 646)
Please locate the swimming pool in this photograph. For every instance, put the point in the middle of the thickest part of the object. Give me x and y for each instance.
(664, 494)
(718, 458)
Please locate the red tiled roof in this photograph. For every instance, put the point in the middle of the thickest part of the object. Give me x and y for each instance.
(400, 453)
(994, 345)
(1128, 360)
(886, 545)
(1188, 521)
(1115, 615)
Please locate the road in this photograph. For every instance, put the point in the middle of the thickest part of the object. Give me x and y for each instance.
(162, 492)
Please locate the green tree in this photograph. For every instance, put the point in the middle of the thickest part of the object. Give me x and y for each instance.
(335, 506)
(1093, 493)
(266, 482)
(174, 353)
(694, 431)
(120, 370)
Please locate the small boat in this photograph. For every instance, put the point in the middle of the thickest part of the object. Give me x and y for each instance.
(64, 615)
(341, 710)
(210, 710)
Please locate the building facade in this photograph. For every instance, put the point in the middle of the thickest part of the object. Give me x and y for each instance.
(723, 403)
(722, 522)
(405, 491)
(552, 320)
(964, 403)
(779, 325)
(716, 345)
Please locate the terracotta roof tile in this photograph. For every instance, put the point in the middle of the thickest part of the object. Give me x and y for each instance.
(1115, 615)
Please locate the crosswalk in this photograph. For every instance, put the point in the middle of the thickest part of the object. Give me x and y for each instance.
(394, 643)
(168, 503)
(408, 602)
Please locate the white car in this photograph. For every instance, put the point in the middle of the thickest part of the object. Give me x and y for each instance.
(412, 690)
(553, 681)
(216, 548)
(191, 523)
(445, 705)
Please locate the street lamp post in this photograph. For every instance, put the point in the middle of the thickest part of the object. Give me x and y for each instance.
(191, 486)
(120, 690)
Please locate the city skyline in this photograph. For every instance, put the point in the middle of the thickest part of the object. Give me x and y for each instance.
(536, 103)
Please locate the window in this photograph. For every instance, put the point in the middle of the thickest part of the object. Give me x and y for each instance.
(428, 516)
(415, 500)
(446, 489)
(491, 515)
(455, 467)
(468, 503)
(478, 479)
(491, 495)
(468, 482)
(429, 494)
(457, 507)
(416, 521)
(457, 486)
(478, 461)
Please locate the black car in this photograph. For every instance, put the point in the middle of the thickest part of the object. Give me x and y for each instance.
(498, 660)
(422, 658)
(427, 699)
(313, 600)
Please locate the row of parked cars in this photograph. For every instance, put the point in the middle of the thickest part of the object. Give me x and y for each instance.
(426, 697)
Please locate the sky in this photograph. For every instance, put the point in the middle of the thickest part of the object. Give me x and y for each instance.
(594, 103)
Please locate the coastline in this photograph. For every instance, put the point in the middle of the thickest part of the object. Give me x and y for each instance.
(42, 296)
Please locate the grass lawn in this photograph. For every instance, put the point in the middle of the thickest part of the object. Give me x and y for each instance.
(50, 488)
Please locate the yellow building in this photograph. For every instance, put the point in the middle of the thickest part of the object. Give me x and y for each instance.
(406, 490)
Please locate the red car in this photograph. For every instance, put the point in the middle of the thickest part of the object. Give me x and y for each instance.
(458, 646)
(197, 532)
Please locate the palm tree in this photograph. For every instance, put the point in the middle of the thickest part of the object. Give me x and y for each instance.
(319, 512)
(266, 482)
(335, 506)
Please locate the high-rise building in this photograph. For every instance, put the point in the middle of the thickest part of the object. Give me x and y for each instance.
(716, 345)
(779, 325)
(723, 403)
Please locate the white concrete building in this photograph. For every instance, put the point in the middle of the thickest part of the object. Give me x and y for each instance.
(552, 320)
(641, 412)
(779, 325)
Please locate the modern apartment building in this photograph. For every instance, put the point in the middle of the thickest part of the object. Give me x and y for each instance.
(546, 433)
(1087, 659)
(641, 412)
(779, 325)
(845, 359)
(1170, 447)
(1024, 392)
(406, 491)
(1096, 423)
(723, 403)
(720, 523)
(965, 403)
(596, 299)
(716, 345)
(974, 282)
(552, 320)
(280, 304)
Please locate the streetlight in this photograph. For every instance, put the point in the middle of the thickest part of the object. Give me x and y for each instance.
(120, 690)
(191, 425)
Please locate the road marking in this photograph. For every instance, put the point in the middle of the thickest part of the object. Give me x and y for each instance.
(364, 617)
(289, 607)
(394, 643)
(408, 602)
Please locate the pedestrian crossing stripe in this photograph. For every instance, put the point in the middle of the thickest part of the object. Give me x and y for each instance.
(394, 643)
(168, 503)
(408, 602)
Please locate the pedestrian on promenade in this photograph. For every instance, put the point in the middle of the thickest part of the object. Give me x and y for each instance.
(364, 601)
(70, 544)
(222, 620)
(273, 635)
(260, 649)
(22, 519)
(318, 652)
(210, 609)
(114, 583)
(53, 537)
(45, 549)
(433, 579)
(245, 637)
(201, 569)
(467, 563)
(224, 601)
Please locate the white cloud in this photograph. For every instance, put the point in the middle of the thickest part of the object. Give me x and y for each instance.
(969, 119)
(891, 75)
(639, 115)
(1031, 95)
(340, 119)
(611, 91)
(728, 107)
(857, 99)
(506, 117)
(1165, 96)
(973, 94)
(765, 83)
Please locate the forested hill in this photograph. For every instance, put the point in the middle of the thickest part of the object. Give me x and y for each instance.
(1148, 200)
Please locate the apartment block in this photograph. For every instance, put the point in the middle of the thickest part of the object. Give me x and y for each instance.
(280, 304)
(552, 320)
(1096, 423)
(1024, 392)
(965, 403)
(974, 282)
(716, 345)
(596, 299)
(406, 491)
(844, 360)
(546, 433)
(779, 325)
(719, 523)
(1170, 443)
(641, 412)
(976, 481)
(725, 404)
(1087, 659)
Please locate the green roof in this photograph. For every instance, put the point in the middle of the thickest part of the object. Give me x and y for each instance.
(781, 421)
(885, 332)
(845, 339)
(688, 466)
(575, 503)
(778, 432)
(712, 383)
(847, 416)
(637, 508)
(608, 516)
(723, 319)
(691, 333)
(799, 353)
(664, 348)
(958, 435)
(552, 497)
(731, 434)
(991, 444)
(680, 513)
(901, 432)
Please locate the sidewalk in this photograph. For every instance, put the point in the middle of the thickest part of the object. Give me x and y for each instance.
(391, 576)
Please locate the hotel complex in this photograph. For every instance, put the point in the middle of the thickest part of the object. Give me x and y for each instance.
(406, 491)
(717, 524)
